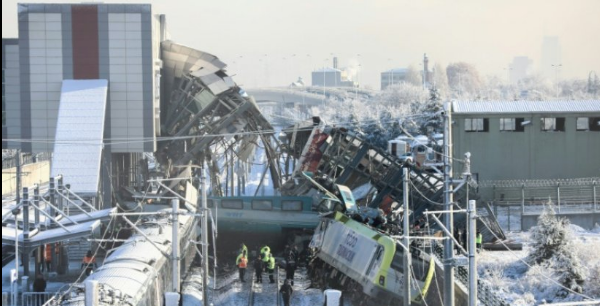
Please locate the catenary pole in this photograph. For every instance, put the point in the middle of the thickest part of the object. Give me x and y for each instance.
(471, 215)
(448, 218)
(407, 264)
(204, 236)
(175, 244)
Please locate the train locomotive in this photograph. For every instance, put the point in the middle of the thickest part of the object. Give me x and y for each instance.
(365, 263)
(138, 273)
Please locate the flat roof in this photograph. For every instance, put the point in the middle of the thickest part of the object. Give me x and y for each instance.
(512, 107)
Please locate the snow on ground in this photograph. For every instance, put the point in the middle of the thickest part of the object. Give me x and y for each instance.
(524, 286)
(231, 292)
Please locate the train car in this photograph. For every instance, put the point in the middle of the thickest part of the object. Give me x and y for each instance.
(263, 219)
(365, 263)
(137, 273)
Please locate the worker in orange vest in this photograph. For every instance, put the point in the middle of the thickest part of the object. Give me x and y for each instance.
(242, 263)
(89, 263)
(48, 256)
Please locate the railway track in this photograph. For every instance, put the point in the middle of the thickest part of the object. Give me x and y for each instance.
(8, 255)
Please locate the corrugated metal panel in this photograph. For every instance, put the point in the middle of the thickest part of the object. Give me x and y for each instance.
(80, 134)
(517, 107)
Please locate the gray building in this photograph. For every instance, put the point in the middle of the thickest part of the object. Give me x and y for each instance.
(528, 140)
(393, 76)
(106, 58)
(327, 77)
(115, 42)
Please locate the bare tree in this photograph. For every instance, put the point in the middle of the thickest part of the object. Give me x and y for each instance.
(413, 76)
(464, 79)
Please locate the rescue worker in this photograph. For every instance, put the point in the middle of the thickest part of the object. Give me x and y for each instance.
(286, 292)
(89, 263)
(48, 256)
(290, 268)
(242, 263)
(458, 237)
(263, 253)
(243, 248)
(271, 268)
(479, 240)
(258, 269)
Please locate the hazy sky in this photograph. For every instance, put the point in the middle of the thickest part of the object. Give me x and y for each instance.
(258, 38)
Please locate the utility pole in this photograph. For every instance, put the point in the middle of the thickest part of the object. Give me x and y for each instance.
(204, 236)
(448, 217)
(18, 165)
(472, 220)
(407, 263)
(175, 246)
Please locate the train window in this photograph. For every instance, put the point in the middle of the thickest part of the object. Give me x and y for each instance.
(232, 204)
(291, 205)
(262, 205)
(398, 262)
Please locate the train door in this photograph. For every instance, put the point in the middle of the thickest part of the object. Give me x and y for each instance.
(375, 265)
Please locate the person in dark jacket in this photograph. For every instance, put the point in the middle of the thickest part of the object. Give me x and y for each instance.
(290, 268)
(258, 268)
(286, 292)
(39, 286)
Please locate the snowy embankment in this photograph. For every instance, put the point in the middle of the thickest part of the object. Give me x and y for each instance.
(523, 285)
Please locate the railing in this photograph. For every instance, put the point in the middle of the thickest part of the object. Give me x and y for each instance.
(5, 300)
(26, 160)
(484, 292)
(36, 299)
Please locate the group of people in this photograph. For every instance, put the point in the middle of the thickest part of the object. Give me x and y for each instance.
(460, 236)
(266, 263)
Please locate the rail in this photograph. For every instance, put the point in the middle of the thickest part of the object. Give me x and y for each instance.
(484, 292)
(251, 293)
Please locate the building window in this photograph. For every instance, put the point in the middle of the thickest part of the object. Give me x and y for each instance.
(477, 125)
(512, 124)
(588, 124)
(262, 205)
(553, 124)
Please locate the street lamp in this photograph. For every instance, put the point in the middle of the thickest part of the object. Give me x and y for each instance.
(556, 70)
(508, 70)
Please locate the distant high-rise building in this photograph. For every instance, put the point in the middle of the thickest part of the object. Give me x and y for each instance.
(393, 77)
(520, 68)
(551, 56)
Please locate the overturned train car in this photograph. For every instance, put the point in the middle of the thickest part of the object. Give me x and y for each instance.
(366, 264)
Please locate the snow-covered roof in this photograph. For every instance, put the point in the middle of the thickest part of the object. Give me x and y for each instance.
(501, 107)
(327, 69)
(397, 70)
(80, 134)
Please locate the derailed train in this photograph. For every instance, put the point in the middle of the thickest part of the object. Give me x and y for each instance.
(365, 263)
(138, 273)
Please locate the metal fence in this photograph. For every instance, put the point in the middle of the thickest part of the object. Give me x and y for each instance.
(484, 293)
(26, 159)
(36, 299)
(5, 299)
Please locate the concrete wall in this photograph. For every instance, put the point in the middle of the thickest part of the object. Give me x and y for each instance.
(587, 220)
(532, 154)
(38, 173)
